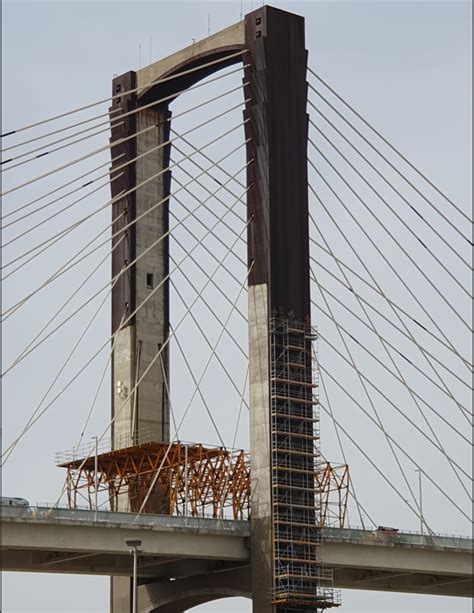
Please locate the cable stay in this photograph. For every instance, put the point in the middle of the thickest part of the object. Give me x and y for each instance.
(99, 350)
(398, 376)
(62, 270)
(123, 271)
(385, 259)
(206, 157)
(155, 478)
(158, 354)
(216, 317)
(400, 219)
(234, 438)
(61, 370)
(382, 294)
(212, 212)
(49, 152)
(128, 92)
(125, 164)
(71, 297)
(68, 207)
(374, 465)
(338, 436)
(99, 386)
(412, 338)
(100, 150)
(194, 163)
(369, 398)
(79, 159)
(213, 353)
(59, 198)
(112, 125)
(344, 305)
(390, 184)
(57, 189)
(394, 149)
(40, 248)
(443, 492)
(203, 334)
(198, 265)
(123, 194)
(360, 344)
(465, 413)
(372, 242)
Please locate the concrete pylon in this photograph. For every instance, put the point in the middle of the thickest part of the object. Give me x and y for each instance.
(141, 415)
(278, 246)
(274, 56)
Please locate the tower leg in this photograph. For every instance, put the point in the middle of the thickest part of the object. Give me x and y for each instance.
(278, 249)
(141, 415)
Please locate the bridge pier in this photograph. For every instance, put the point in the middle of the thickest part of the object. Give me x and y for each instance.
(178, 596)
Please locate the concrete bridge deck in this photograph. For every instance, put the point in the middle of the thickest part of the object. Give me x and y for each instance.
(40, 539)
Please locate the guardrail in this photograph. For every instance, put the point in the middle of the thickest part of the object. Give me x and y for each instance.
(118, 518)
(415, 539)
(47, 513)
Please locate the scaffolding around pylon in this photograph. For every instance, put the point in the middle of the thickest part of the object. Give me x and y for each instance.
(194, 480)
(300, 579)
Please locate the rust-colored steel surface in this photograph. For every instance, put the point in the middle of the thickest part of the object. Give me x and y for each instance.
(333, 484)
(192, 479)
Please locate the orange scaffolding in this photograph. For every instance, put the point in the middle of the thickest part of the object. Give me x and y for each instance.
(333, 483)
(187, 479)
(194, 480)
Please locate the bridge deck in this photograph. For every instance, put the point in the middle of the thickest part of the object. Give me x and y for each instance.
(64, 541)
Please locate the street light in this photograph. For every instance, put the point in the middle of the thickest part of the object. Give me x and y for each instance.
(96, 476)
(133, 546)
(418, 470)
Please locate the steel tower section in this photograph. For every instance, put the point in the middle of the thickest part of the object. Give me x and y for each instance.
(287, 570)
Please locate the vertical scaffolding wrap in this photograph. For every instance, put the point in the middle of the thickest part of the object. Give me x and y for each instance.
(300, 581)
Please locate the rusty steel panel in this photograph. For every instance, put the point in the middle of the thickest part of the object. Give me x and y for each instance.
(122, 179)
(278, 240)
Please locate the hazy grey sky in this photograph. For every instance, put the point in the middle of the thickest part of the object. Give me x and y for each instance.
(405, 65)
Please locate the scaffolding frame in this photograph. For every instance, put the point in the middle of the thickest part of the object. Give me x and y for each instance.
(192, 480)
(300, 579)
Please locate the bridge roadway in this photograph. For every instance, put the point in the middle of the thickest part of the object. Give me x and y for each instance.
(40, 539)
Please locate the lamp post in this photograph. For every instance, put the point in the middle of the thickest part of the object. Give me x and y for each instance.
(96, 476)
(133, 546)
(418, 470)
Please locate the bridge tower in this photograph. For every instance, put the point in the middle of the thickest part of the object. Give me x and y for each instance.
(286, 571)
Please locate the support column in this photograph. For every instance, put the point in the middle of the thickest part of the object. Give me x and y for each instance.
(278, 243)
(142, 415)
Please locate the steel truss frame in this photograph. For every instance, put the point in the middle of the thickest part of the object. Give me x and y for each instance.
(193, 480)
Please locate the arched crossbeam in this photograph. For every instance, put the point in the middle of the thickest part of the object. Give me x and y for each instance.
(184, 594)
(214, 48)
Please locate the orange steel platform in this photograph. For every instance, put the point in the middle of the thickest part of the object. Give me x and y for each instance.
(186, 479)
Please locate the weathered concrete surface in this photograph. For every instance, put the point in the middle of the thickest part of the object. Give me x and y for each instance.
(260, 455)
(145, 415)
(123, 369)
(147, 410)
(82, 547)
(183, 594)
(152, 320)
(207, 548)
(230, 39)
